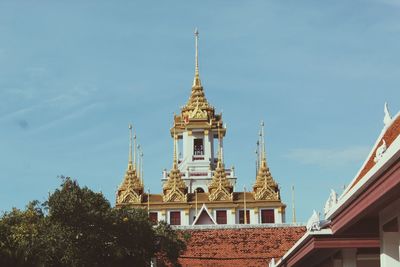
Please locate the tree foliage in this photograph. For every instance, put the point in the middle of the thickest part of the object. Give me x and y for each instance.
(78, 227)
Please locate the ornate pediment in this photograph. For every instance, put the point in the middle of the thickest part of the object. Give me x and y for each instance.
(265, 188)
(175, 195)
(266, 193)
(175, 188)
(220, 187)
(198, 113)
(129, 197)
(220, 194)
(131, 188)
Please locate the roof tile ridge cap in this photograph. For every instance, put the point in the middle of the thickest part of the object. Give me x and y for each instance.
(345, 195)
(377, 142)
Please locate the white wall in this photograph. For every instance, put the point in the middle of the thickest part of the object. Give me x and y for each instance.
(390, 241)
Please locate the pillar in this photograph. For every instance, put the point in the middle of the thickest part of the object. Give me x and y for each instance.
(349, 257)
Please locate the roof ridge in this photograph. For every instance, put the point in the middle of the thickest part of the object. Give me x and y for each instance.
(370, 154)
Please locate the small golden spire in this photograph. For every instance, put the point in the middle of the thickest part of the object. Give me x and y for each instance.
(264, 157)
(134, 152)
(175, 163)
(220, 155)
(293, 206)
(130, 144)
(196, 81)
(141, 166)
(138, 164)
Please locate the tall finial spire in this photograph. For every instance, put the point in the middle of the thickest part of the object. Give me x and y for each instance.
(220, 156)
(293, 206)
(175, 163)
(263, 141)
(196, 81)
(139, 167)
(134, 152)
(130, 144)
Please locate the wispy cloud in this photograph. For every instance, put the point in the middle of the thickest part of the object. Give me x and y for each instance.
(394, 3)
(76, 114)
(23, 124)
(329, 157)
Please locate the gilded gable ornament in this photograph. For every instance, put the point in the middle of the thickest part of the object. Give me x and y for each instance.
(265, 188)
(220, 187)
(131, 189)
(175, 189)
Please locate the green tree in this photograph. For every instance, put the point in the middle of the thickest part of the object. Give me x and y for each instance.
(78, 227)
(20, 236)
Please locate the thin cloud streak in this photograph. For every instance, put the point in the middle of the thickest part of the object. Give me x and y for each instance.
(72, 115)
(328, 157)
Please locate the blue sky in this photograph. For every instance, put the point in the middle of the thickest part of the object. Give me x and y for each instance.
(73, 74)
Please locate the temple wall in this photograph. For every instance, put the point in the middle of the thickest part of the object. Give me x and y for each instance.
(389, 220)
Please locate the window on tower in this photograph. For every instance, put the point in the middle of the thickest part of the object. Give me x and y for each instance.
(198, 146)
(221, 216)
(153, 216)
(267, 216)
(242, 218)
(199, 190)
(175, 218)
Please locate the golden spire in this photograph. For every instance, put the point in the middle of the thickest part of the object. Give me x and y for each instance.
(131, 189)
(175, 162)
(265, 188)
(220, 157)
(196, 81)
(220, 187)
(175, 188)
(263, 142)
(130, 144)
(134, 147)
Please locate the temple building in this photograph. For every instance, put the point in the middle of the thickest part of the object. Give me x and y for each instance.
(199, 189)
(361, 228)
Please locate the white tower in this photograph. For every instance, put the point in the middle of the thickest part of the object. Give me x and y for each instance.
(197, 126)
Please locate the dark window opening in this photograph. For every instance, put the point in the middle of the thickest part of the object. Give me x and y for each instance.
(241, 216)
(198, 146)
(175, 218)
(221, 217)
(199, 190)
(267, 216)
(153, 216)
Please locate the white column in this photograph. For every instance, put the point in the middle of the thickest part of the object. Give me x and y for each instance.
(278, 216)
(231, 216)
(337, 263)
(349, 257)
(207, 145)
(390, 237)
(185, 217)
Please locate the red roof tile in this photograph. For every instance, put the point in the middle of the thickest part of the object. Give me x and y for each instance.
(389, 136)
(238, 247)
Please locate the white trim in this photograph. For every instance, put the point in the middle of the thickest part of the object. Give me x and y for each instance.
(169, 216)
(369, 177)
(203, 208)
(221, 209)
(378, 140)
(260, 213)
(302, 240)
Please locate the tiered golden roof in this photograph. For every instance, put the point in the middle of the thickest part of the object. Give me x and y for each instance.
(131, 189)
(197, 113)
(220, 187)
(265, 188)
(175, 189)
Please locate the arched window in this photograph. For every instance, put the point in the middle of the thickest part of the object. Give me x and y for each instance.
(199, 190)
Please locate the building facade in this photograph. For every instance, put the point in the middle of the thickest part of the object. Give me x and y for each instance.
(361, 228)
(199, 188)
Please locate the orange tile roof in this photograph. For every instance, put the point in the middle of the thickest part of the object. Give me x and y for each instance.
(389, 136)
(238, 247)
